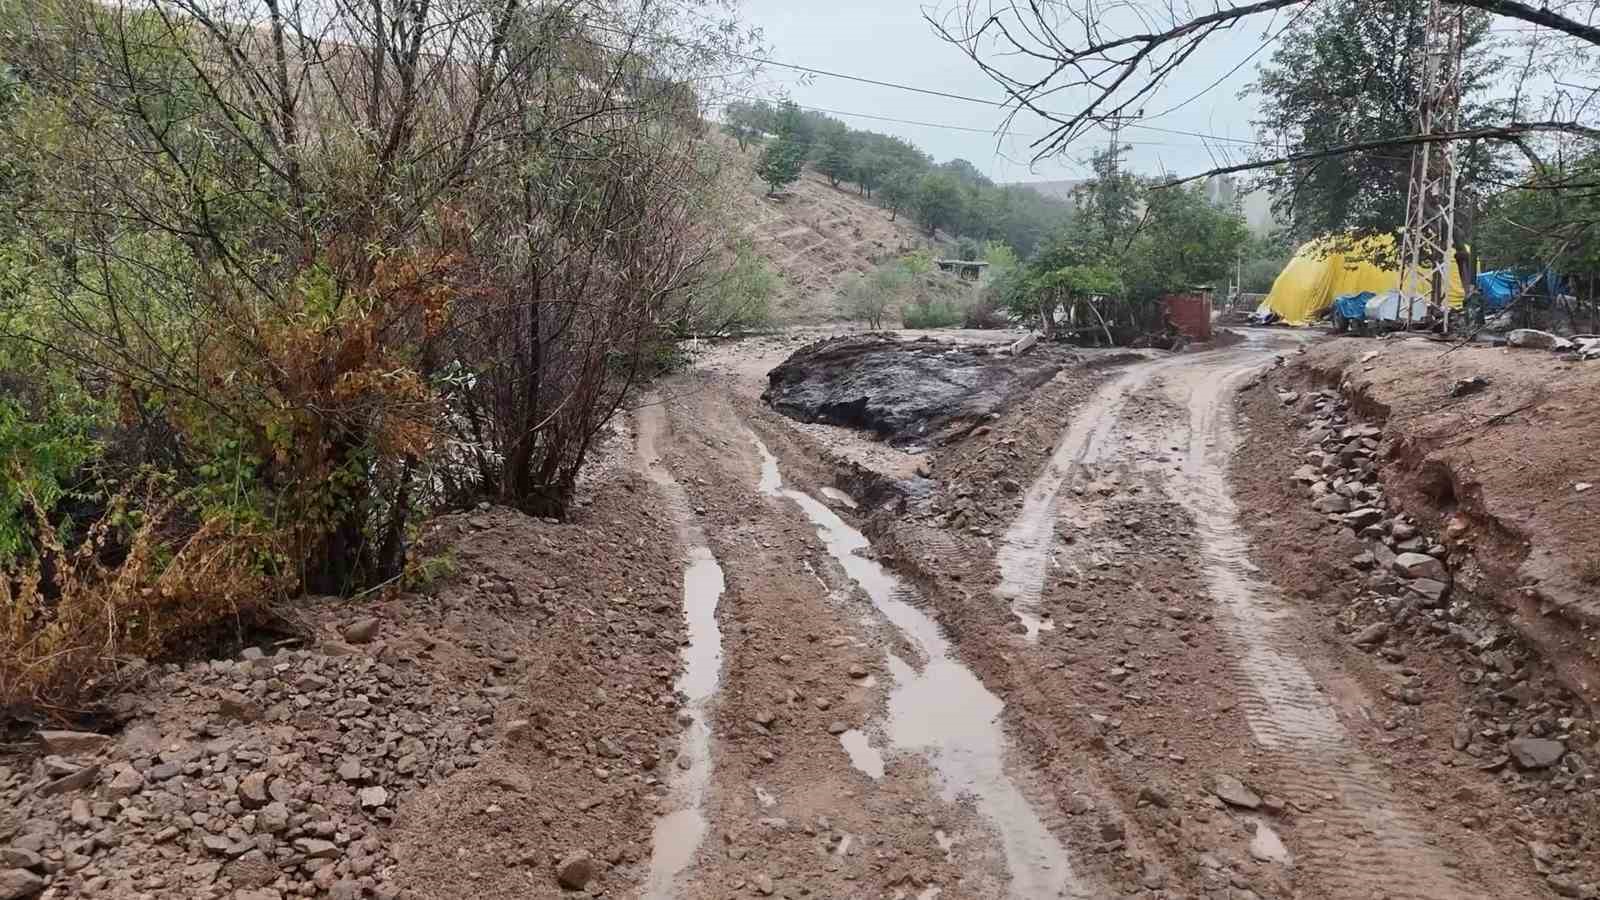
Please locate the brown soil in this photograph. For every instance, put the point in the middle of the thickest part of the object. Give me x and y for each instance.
(514, 713)
(1121, 560)
(1503, 464)
(817, 236)
(786, 803)
(597, 626)
(1481, 675)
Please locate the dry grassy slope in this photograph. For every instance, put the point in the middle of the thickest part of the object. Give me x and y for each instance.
(816, 236)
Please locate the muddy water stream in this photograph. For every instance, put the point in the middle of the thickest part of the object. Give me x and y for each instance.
(678, 834)
(940, 711)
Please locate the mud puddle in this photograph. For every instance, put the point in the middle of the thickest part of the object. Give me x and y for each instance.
(863, 755)
(942, 711)
(678, 834)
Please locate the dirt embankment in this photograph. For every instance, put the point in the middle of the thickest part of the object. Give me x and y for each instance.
(460, 742)
(1502, 467)
(1368, 472)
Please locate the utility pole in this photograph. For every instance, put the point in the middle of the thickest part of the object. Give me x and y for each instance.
(1427, 247)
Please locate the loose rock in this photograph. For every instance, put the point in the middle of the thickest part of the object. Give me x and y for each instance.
(1536, 753)
(575, 871)
(1232, 791)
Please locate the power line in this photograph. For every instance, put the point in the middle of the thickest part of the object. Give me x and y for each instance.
(942, 125)
(999, 104)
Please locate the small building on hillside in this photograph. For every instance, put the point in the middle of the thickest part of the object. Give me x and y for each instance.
(967, 269)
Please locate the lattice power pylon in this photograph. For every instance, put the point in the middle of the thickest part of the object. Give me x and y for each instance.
(1427, 246)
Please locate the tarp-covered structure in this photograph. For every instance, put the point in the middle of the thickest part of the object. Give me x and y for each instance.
(1500, 287)
(1324, 269)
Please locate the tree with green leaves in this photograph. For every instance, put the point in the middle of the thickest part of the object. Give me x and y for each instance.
(780, 164)
(867, 169)
(1551, 222)
(836, 157)
(1347, 71)
(1108, 203)
(937, 201)
(747, 121)
(899, 192)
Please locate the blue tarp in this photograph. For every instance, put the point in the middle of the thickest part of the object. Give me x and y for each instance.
(1353, 306)
(1502, 286)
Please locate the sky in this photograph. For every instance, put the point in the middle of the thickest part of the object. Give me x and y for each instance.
(888, 40)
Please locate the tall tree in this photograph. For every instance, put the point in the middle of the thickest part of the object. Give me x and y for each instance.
(836, 156)
(1108, 202)
(1346, 71)
(899, 192)
(867, 168)
(938, 201)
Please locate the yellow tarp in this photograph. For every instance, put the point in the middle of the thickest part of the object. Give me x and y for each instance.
(1309, 283)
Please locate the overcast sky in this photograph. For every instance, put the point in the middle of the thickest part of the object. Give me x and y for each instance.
(889, 41)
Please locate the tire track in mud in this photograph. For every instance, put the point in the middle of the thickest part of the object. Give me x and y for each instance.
(941, 710)
(679, 834)
(1024, 555)
(1351, 838)
(1364, 841)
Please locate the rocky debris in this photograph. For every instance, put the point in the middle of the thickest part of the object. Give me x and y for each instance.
(19, 884)
(1232, 791)
(1534, 339)
(1466, 386)
(247, 802)
(1515, 712)
(332, 770)
(1372, 634)
(1536, 753)
(905, 391)
(361, 631)
(575, 871)
(1419, 565)
(72, 743)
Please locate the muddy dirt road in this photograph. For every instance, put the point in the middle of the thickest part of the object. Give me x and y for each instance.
(1105, 699)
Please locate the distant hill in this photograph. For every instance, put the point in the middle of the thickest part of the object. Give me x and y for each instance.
(1255, 206)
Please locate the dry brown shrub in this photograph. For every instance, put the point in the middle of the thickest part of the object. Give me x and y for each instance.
(73, 633)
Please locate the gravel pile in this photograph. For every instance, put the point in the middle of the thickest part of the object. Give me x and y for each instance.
(275, 774)
(458, 743)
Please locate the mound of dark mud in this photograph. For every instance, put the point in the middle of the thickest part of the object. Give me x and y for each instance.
(905, 392)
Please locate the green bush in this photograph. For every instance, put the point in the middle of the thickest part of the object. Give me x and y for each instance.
(931, 313)
(736, 299)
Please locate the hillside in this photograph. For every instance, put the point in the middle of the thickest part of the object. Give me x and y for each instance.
(816, 236)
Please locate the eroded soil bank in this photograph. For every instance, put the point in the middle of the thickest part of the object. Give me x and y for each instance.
(1404, 513)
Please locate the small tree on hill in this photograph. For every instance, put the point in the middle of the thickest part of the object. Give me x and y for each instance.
(899, 190)
(937, 201)
(835, 159)
(780, 164)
